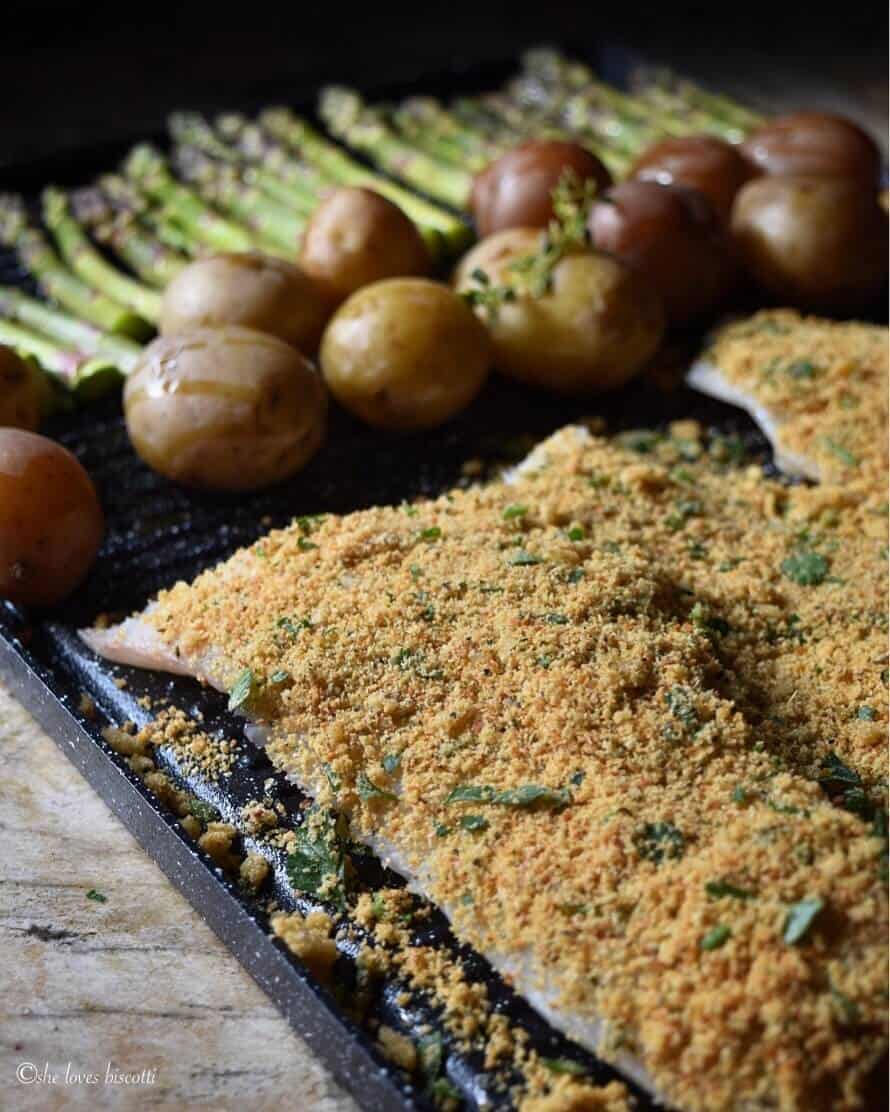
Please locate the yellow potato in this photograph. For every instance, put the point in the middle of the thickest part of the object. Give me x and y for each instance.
(357, 237)
(405, 353)
(226, 408)
(592, 331)
(253, 290)
(22, 389)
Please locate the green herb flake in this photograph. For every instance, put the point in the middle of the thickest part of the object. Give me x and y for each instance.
(715, 937)
(659, 841)
(441, 830)
(643, 441)
(316, 863)
(473, 822)
(96, 896)
(433, 533)
(866, 714)
(513, 512)
(304, 545)
(848, 1008)
(718, 889)
(523, 559)
(528, 795)
(242, 689)
(332, 778)
(800, 918)
(576, 533)
(556, 619)
(805, 567)
(205, 812)
(564, 1065)
(279, 677)
(391, 762)
(840, 452)
(802, 369)
(680, 701)
(368, 790)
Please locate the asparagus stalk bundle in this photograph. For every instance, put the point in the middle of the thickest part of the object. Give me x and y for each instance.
(82, 356)
(58, 282)
(87, 262)
(120, 230)
(275, 227)
(362, 127)
(147, 168)
(443, 231)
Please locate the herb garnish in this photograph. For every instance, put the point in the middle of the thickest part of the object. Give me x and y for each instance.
(317, 863)
(680, 700)
(717, 889)
(842, 453)
(367, 789)
(96, 897)
(206, 812)
(242, 689)
(512, 512)
(800, 918)
(391, 762)
(805, 567)
(564, 1065)
(523, 559)
(715, 937)
(473, 822)
(528, 795)
(431, 534)
(659, 841)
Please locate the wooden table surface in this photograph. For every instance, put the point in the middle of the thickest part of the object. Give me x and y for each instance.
(138, 981)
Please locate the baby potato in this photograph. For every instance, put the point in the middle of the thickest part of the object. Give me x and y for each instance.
(225, 408)
(51, 523)
(816, 243)
(356, 237)
(592, 331)
(405, 353)
(21, 391)
(250, 289)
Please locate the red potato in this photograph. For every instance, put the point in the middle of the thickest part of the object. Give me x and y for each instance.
(703, 162)
(515, 190)
(671, 235)
(814, 143)
(51, 523)
(356, 237)
(813, 242)
(21, 391)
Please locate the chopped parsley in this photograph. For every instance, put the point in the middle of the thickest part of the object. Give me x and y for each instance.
(576, 533)
(367, 789)
(556, 619)
(715, 937)
(293, 625)
(473, 822)
(305, 545)
(242, 689)
(528, 795)
(717, 889)
(205, 812)
(523, 559)
(433, 533)
(317, 862)
(684, 508)
(866, 714)
(659, 841)
(840, 452)
(512, 512)
(564, 1065)
(680, 701)
(96, 896)
(391, 762)
(800, 918)
(805, 567)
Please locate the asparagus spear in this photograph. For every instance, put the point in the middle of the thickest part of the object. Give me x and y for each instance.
(57, 281)
(143, 252)
(76, 335)
(444, 231)
(423, 115)
(88, 376)
(351, 120)
(300, 191)
(270, 221)
(88, 263)
(147, 167)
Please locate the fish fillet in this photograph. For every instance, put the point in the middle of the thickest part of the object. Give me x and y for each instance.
(584, 711)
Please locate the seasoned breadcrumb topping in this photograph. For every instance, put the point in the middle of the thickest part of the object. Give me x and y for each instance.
(625, 719)
(824, 381)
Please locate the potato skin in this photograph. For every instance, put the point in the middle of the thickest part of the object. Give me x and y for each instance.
(703, 162)
(51, 523)
(21, 391)
(356, 237)
(250, 289)
(670, 235)
(515, 190)
(224, 408)
(812, 242)
(814, 143)
(405, 353)
(592, 332)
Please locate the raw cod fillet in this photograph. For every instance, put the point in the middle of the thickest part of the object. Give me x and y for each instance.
(585, 712)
